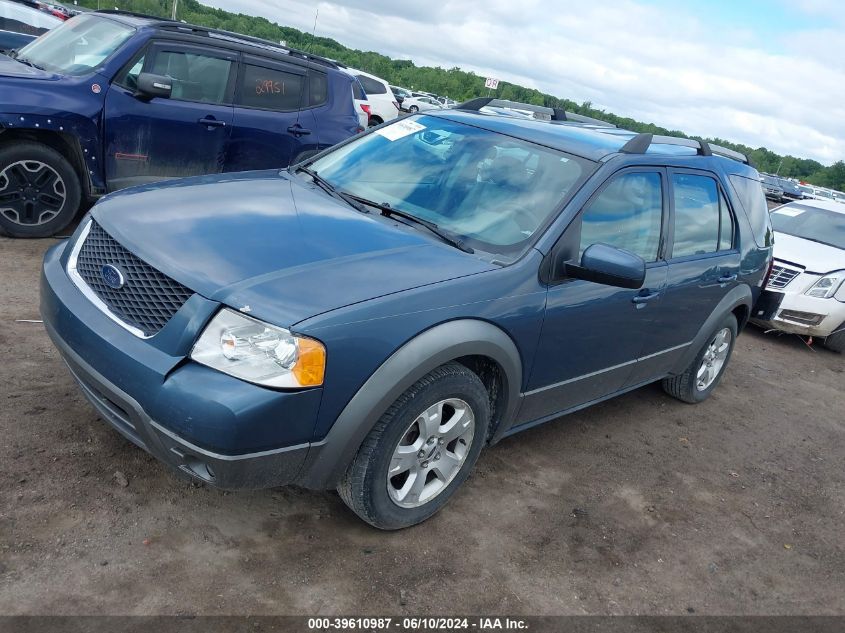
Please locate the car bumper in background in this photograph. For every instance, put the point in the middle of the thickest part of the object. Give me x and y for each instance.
(799, 314)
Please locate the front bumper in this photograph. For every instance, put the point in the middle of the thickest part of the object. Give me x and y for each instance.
(796, 313)
(205, 424)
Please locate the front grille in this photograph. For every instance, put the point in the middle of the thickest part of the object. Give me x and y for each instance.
(781, 276)
(148, 298)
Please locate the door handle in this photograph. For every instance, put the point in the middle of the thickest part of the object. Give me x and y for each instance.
(211, 122)
(726, 279)
(298, 130)
(642, 299)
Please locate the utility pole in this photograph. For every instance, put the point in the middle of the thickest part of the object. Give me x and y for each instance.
(173, 14)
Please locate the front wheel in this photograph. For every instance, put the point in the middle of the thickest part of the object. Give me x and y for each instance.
(39, 190)
(705, 372)
(420, 451)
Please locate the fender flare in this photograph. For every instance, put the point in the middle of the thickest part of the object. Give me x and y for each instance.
(329, 458)
(739, 296)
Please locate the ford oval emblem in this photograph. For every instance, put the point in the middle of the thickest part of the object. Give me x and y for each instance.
(112, 276)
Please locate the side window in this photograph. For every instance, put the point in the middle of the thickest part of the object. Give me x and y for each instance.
(696, 215)
(750, 195)
(271, 89)
(627, 214)
(196, 77)
(318, 88)
(371, 86)
(726, 224)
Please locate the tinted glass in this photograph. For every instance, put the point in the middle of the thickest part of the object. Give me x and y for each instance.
(270, 89)
(750, 195)
(196, 77)
(811, 223)
(358, 91)
(696, 215)
(129, 77)
(726, 225)
(318, 88)
(494, 191)
(371, 86)
(627, 214)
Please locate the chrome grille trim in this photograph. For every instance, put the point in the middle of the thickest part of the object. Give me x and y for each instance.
(782, 276)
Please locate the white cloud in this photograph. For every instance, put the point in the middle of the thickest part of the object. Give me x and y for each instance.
(663, 66)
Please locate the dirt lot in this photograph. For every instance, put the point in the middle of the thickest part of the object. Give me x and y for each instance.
(639, 505)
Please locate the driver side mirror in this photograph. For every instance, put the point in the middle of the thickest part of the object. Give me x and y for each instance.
(150, 85)
(605, 264)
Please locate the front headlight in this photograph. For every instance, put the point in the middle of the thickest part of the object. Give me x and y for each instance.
(263, 354)
(827, 285)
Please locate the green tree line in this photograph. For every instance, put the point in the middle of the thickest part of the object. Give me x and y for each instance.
(454, 82)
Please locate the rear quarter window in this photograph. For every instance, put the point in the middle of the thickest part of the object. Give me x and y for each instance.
(753, 202)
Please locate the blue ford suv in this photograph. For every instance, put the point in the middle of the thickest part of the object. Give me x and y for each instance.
(370, 319)
(109, 99)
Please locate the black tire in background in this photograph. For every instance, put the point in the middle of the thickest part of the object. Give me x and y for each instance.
(365, 486)
(684, 386)
(40, 192)
(836, 341)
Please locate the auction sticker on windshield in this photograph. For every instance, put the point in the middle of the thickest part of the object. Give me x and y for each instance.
(400, 129)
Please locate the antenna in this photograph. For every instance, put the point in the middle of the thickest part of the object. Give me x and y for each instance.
(307, 82)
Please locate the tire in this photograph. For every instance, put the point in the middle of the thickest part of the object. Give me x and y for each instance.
(377, 498)
(40, 191)
(374, 121)
(836, 341)
(686, 386)
(413, 109)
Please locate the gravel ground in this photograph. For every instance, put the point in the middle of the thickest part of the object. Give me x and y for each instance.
(638, 505)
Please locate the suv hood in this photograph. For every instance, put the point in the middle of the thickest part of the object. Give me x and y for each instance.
(11, 68)
(278, 245)
(815, 257)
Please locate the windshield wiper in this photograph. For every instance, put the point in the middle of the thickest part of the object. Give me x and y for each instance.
(443, 234)
(24, 60)
(330, 189)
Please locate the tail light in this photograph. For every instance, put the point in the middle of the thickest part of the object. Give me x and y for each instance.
(768, 272)
(366, 108)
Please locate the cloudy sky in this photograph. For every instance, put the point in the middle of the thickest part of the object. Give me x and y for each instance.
(768, 73)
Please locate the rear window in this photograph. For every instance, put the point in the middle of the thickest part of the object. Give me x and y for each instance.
(358, 91)
(270, 89)
(318, 88)
(751, 197)
(371, 86)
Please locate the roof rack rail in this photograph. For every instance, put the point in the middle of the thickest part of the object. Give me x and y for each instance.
(640, 144)
(175, 25)
(249, 39)
(554, 114)
(134, 14)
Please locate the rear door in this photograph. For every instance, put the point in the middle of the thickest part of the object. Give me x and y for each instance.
(186, 135)
(273, 123)
(703, 264)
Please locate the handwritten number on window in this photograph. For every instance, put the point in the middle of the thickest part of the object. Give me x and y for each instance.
(269, 87)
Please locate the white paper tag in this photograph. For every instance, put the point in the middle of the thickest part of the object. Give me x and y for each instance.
(400, 129)
(790, 212)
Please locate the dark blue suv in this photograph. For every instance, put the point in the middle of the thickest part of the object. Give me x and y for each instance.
(371, 318)
(109, 100)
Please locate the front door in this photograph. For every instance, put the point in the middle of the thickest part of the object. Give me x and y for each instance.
(186, 135)
(592, 334)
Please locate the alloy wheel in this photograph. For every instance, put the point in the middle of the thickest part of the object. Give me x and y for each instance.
(714, 359)
(31, 192)
(430, 453)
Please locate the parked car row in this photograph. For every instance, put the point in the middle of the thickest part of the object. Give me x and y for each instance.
(20, 23)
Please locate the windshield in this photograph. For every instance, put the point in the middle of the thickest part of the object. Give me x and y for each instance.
(811, 223)
(77, 46)
(494, 191)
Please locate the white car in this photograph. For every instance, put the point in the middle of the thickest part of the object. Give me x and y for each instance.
(805, 290)
(421, 104)
(382, 102)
